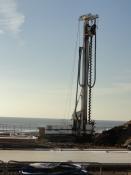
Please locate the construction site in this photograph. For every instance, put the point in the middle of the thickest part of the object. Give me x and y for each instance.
(74, 149)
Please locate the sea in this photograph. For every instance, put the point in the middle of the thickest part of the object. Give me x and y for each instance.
(17, 124)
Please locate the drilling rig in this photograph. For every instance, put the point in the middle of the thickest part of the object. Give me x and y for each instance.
(83, 125)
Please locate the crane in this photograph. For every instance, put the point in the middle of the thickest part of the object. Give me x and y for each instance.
(86, 78)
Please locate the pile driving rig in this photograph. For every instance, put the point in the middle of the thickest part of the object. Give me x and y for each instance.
(83, 125)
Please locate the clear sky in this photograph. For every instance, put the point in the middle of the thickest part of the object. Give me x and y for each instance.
(37, 46)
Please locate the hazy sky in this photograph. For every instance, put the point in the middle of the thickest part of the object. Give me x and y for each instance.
(37, 46)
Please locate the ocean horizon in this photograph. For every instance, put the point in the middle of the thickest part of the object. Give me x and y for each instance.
(35, 123)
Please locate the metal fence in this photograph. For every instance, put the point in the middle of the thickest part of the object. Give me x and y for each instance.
(6, 129)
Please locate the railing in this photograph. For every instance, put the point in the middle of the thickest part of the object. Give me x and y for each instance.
(6, 129)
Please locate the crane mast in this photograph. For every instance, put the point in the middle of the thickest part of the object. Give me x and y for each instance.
(82, 122)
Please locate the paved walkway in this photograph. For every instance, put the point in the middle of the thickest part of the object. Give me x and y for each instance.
(106, 156)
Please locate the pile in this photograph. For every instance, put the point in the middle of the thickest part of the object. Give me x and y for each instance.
(116, 136)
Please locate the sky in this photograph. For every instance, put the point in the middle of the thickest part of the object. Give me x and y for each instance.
(38, 60)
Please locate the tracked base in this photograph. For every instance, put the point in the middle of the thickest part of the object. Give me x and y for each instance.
(84, 138)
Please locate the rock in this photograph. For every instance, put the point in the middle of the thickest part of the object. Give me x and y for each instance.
(115, 136)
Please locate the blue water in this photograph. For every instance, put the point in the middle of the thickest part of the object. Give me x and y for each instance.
(34, 123)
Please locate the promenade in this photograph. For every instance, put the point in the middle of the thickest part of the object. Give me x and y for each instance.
(99, 156)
